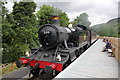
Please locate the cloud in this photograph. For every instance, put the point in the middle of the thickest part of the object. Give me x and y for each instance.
(9, 6)
(99, 11)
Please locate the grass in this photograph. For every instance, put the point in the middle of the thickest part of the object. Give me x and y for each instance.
(9, 68)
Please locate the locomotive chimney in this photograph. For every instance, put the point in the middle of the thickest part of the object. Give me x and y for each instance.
(55, 19)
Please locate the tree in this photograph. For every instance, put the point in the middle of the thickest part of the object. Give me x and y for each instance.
(74, 22)
(25, 22)
(82, 20)
(108, 29)
(20, 31)
(45, 13)
(64, 20)
(7, 33)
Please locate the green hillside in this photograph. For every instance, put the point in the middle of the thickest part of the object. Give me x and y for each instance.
(108, 29)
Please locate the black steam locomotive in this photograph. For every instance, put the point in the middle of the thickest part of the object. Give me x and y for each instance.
(60, 47)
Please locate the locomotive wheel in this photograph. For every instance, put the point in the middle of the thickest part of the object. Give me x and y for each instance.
(45, 76)
(54, 73)
(85, 48)
(77, 53)
(67, 63)
(82, 50)
(34, 72)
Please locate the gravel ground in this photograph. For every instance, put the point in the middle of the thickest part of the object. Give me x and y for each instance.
(17, 74)
(21, 74)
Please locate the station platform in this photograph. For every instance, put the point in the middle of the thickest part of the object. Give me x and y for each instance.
(92, 64)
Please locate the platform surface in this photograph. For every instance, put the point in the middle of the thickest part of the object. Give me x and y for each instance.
(92, 64)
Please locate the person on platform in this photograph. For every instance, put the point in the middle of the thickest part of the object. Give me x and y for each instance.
(107, 46)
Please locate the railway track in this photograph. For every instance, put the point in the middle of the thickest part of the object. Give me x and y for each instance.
(21, 74)
(30, 78)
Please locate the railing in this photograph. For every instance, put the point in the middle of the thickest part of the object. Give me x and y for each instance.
(116, 44)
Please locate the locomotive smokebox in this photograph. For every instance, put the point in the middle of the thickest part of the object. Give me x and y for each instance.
(55, 20)
(51, 35)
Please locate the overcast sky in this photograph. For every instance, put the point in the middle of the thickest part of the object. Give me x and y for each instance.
(99, 11)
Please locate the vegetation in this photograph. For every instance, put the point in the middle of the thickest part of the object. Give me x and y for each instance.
(20, 27)
(19, 30)
(111, 28)
(45, 13)
(8, 68)
(82, 19)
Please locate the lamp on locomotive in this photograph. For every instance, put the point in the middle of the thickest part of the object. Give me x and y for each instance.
(55, 19)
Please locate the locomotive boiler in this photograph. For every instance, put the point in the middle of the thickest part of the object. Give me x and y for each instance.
(60, 47)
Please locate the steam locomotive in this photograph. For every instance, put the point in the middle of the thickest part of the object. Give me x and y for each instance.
(60, 47)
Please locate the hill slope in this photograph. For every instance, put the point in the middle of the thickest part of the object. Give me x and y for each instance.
(107, 29)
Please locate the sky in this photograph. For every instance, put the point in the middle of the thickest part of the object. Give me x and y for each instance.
(99, 11)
